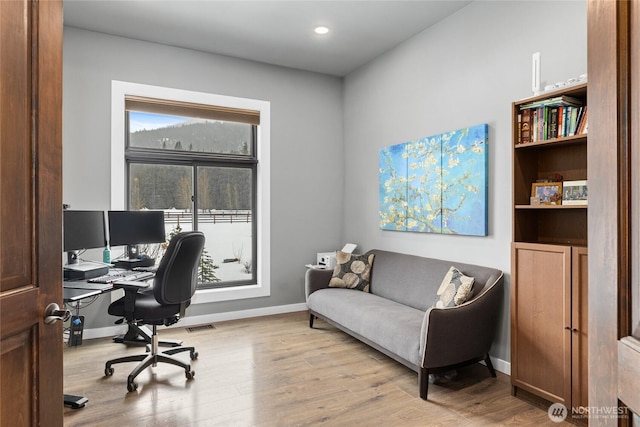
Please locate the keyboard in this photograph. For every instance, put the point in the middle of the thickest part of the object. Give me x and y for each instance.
(114, 277)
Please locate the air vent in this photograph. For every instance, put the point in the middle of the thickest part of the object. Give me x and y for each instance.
(200, 328)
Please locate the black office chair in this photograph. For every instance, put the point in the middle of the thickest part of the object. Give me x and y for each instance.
(173, 287)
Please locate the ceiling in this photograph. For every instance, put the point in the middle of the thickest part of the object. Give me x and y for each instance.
(273, 32)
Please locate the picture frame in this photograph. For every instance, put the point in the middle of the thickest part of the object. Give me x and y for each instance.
(549, 193)
(575, 192)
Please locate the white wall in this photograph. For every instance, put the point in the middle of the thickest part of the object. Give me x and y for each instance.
(465, 70)
(306, 144)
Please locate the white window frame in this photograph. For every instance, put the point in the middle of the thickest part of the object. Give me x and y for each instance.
(119, 90)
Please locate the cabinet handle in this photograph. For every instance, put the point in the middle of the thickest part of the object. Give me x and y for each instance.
(567, 328)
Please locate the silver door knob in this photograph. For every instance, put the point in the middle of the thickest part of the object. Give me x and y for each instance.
(53, 313)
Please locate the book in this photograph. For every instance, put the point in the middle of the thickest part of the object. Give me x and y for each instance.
(554, 102)
(553, 122)
(525, 129)
(560, 121)
(572, 123)
(583, 122)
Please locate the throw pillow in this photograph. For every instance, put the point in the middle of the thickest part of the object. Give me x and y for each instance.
(454, 290)
(352, 271)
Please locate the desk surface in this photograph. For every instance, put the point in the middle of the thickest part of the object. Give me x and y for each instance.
(75, 290)
(70, 294)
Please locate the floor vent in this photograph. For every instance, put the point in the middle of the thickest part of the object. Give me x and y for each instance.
(200, 328)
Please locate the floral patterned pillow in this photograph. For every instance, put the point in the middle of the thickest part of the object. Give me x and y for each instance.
(352, 271)
(455, 289)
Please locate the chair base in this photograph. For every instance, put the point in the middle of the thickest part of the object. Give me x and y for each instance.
(152, 359)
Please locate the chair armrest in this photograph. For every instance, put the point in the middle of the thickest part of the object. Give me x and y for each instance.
(130, 285)
(131, 289)
(315, 279)
(458, 334)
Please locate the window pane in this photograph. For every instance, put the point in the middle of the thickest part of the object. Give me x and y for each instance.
(163, 187)
(225, 216)
(164, 132)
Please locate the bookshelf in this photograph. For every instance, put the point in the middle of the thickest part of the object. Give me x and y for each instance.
(549, 259)
(543, 159)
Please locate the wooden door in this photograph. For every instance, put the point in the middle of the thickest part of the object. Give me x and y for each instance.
(30, 211)
(540, 320)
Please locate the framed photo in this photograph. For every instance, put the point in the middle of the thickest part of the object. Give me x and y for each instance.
(574, 192)
(549, 193)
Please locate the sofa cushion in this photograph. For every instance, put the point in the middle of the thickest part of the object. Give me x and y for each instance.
(352, 271)
(455, 289)
(390, 325)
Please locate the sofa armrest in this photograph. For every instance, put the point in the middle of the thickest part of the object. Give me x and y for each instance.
(315, 279)
(458, 334)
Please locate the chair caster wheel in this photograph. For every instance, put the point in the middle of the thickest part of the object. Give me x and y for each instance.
(190, 374)
(194, 355)
(132, 386)
(108, 371)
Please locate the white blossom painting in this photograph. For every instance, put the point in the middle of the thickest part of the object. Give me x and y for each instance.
(436, 184)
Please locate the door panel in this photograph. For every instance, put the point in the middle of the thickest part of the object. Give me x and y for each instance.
(541, 316)
(30, 211)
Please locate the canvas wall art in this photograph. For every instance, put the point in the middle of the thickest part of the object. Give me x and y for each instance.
(436, 184)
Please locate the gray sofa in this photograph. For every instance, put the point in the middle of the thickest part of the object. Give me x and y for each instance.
(396, 317)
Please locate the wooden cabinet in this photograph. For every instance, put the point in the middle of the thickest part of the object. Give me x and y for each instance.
(549, 268)
(549, 322)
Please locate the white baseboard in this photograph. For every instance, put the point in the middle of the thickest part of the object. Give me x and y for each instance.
(501, 365)
(199, 320)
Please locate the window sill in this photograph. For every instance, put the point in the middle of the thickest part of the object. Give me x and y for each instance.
(205, 296)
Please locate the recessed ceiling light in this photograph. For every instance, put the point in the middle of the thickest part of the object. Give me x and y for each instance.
(321, 30)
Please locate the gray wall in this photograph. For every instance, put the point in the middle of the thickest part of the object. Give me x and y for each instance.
(306, 144)
(465, 70)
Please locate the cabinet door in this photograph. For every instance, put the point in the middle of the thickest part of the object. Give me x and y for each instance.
(579, 323)
(541, 320)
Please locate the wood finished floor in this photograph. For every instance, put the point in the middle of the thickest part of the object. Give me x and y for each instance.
(275, 371)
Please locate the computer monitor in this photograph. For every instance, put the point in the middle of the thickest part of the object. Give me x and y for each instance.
(131, 228)
(82, 230)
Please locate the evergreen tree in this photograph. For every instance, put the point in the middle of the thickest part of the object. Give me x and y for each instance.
(206, 267)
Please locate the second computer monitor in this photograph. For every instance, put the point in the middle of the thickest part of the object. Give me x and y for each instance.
(131, 228)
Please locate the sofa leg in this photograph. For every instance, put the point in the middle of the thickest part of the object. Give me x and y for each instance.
(487, 361)
(311, 317)
(423, 382)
